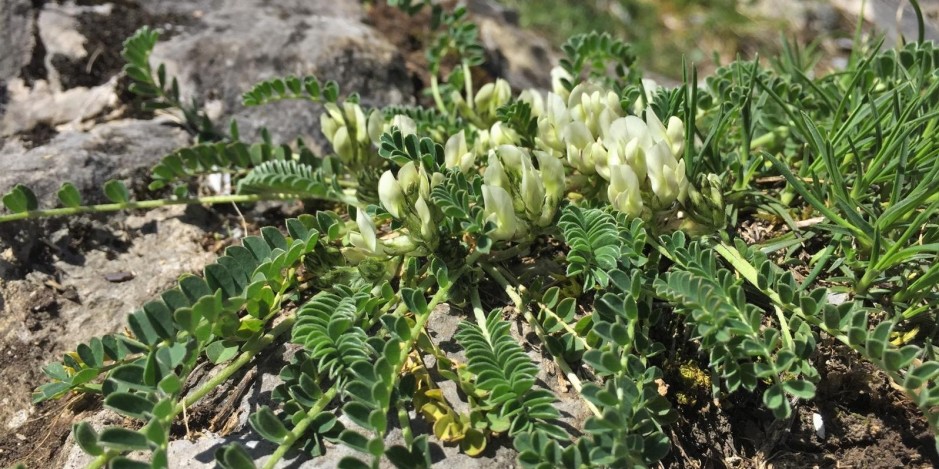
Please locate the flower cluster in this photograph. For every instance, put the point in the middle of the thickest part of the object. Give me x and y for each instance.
(516, 195)
(590, 129)
(406, 197)
(636, 161)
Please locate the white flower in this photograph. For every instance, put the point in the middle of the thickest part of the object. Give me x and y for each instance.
(457, 154)
(623, 191)
(558, 74)
(428, 229)
(405, 124)
(502, 135)
(651, 88)
(391, 195)
(552, 122)
(534, 99)
(532, 189)
(666, 175)
(552, 178)
(495, 173)
(492, 96)
(368, 231)
(497, 208)
(674, 135)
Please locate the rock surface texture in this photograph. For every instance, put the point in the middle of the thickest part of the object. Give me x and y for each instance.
(65, 115)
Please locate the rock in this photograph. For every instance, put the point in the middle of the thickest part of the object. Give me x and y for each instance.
(16, 34)
(43, 316)
(894, 17)
(243, 43)
(114, 150)
(42, 104)
(522, 57)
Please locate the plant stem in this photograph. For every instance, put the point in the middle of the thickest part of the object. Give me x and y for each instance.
(246, 355)
(750, 274)
(522, 307)
(300, 428)
(145, 204)
(435, 90)
(769, 138)
(480, 314)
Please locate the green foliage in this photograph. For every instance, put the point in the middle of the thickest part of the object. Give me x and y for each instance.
(441, 205)
(291, 87)
(20, 199)
(594, 242)
(506, 373)
(741, 348)
(592, 54)
(158, 90)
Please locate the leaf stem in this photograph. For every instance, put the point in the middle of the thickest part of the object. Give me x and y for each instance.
(300, 428)
(144, 204)
(522, 307)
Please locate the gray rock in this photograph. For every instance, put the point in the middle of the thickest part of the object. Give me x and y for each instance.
(44, 103)
(243, 43)
(114, 150)
(16, 34)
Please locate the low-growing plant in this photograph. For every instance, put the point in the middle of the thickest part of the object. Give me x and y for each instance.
(634, 191)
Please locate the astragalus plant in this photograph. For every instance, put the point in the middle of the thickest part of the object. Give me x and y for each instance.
(633, 191)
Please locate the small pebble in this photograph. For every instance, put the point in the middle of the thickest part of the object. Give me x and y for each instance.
(819, 425)
(118, 277)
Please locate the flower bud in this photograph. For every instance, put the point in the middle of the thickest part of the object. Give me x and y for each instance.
(428, 228)
(376, 126)
(343, 145)
(623, 191)
(409, 179)
(391, 195)
(455, 149)
(355, 118)
(675, 133)
(558, 75)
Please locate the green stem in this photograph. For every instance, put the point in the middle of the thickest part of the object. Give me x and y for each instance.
(249, 352)
(480, 314)
(769, 138)
(468, 83)
(300, 428)
(522, 307)
(750, 274)
(144, 204)
(567, 326)
(435, 91)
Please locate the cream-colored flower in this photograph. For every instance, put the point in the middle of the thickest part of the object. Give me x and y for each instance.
(368, 231)
(457, 154)
(666, 174)
(623, 192)
(497, 207)
(491, 97)
(391, 195)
